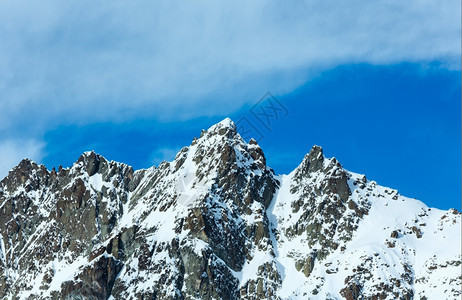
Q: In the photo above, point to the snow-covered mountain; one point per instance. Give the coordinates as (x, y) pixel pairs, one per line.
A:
(217, 223)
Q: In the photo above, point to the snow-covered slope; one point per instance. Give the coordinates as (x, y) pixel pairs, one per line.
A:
(217, 223)
(398, 249)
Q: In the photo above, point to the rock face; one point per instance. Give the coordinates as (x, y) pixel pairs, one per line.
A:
(217, 223)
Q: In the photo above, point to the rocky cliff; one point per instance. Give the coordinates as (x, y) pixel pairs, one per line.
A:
(217, 223)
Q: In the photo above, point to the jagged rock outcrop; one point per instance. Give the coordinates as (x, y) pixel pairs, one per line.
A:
(217, 223)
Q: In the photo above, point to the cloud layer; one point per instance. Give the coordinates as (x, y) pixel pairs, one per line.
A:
(96, 62)
(88, 62)
(13, 151)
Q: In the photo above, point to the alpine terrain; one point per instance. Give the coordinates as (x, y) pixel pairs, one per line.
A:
(218, 223)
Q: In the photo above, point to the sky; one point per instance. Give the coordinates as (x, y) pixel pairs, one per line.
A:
(376, 84)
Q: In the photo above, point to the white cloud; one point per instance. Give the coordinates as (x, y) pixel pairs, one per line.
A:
(13, 151)
(163, 154)
(87, 61)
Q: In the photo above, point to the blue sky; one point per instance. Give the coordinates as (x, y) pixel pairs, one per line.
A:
(377, 87)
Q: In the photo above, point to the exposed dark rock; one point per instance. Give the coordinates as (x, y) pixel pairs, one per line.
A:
(194, 227)
(417, 232)
(95, 281)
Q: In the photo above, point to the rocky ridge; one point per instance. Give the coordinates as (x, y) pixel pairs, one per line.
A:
(217, 223)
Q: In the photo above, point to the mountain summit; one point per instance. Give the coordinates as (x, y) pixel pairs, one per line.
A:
(217, 223)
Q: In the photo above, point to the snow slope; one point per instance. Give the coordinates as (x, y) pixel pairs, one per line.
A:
(217, 223)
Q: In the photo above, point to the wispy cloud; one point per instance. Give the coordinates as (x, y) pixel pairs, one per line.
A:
(163, 154)
(12, 151)
(86, 62)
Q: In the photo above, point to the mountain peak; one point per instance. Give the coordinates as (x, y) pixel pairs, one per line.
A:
(225, 125)
(219, 133)
(227, 122)
(313, 161)
(218, 223)
(91, 162)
